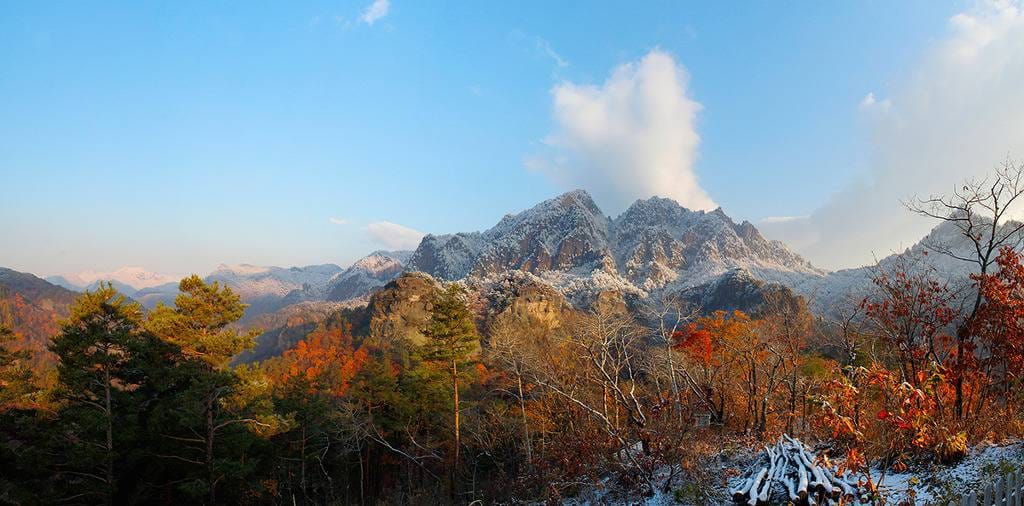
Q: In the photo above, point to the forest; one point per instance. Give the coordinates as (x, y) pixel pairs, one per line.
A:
(129, 406)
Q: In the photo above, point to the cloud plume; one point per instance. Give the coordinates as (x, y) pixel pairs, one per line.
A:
(632, 137)
(393, 235)
(955, 115)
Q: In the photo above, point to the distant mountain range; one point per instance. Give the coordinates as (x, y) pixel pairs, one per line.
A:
(128, 280)
(566, 244)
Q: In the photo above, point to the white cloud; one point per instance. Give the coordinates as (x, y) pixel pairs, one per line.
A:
(393, 235)
(338, 221)
(782, 219)
(377, 10)
(545, 48)
(632, 137)
(869, 102)
(958, 113)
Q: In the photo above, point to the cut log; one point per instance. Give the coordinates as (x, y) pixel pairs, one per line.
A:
(793, 465)
(755, 486)
(740, 494)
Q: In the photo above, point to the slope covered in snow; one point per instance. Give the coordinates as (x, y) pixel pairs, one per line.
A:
(252, 281)
(654, 245)
(126, 279)
(366, 275)
(840, 289)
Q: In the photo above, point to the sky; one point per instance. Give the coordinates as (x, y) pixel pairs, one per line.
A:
(177, 136)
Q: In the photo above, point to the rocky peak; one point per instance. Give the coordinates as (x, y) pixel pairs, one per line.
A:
(366, 275)
(570, 243)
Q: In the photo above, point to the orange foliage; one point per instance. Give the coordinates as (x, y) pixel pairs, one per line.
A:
(325, 361)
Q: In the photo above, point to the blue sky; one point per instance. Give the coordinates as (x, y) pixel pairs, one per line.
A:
(179, 135)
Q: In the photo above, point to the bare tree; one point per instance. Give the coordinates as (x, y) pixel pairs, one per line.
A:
(980, 210)
(667, 314)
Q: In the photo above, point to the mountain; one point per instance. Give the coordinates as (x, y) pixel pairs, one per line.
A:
(656, 244)
(32, 307)
(847, 287)
(150, 297)
(366, 275)
(267, 289)
(127, 280)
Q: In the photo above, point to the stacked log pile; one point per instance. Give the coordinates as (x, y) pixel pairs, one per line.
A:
(787, 472)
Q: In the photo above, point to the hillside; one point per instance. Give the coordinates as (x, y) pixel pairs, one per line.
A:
(32, 307)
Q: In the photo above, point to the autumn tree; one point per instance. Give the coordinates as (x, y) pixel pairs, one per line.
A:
(999, 324)
(980, 210)
(311, 382)
(450, 339)
(787, 324)
(912, 310)
(15, 374)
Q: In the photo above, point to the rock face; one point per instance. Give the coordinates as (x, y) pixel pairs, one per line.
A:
(401, 310)
(736, 290)
(569, 243)
(366, 275)
(563, 233)
(658, 242)
(521, 296)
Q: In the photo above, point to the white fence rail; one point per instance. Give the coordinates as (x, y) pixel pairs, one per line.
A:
(1006, 491)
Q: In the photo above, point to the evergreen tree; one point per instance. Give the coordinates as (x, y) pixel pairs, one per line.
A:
(214, 405)
(97, 350)
(450, 339)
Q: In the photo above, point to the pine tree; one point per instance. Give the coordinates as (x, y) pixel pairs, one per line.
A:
(97, 350)
(212, 400)
(450, 339)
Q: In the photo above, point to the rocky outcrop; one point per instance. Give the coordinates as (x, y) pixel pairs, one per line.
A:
(737, 290)
(401, 310)
(523, 297)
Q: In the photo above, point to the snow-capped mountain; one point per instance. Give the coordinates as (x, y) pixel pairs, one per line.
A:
(366, 275)
(254, 282)
(845, 288)
(126, 279)
(655, 244)
(267, 289)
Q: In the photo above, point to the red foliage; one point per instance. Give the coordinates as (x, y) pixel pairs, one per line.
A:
(695, 342)
(999, 322)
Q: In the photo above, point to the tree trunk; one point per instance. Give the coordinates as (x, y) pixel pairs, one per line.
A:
(455, 396)
(211, 471)
(526, 424)
(109, 460)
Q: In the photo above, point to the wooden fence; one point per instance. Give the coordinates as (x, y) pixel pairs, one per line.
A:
(1006, 491)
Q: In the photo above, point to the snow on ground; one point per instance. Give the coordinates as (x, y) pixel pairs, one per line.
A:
(940, 485)
(924, 485)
